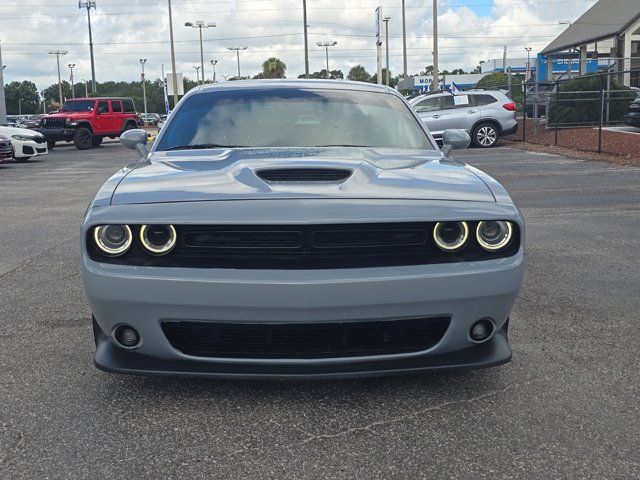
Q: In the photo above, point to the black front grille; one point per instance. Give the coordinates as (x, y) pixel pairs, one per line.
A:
(299, 247)
(280, 175)
(53, 122)
(305, 340)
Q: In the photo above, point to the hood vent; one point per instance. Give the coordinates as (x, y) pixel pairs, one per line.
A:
(292, 175)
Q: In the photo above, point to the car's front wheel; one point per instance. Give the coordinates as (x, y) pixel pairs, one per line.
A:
(82, 139)
(485, 135)
(51, 145)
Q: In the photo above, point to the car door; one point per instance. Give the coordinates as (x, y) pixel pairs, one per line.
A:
(459, 112)
(103, 118)
(429, 111)
(116, 115)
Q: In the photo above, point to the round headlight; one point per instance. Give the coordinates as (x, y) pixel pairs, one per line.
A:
(451, 236)
(494, 235)
(113, 239)
(158, 239)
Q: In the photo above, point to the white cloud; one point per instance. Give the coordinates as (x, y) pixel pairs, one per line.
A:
(125, 31)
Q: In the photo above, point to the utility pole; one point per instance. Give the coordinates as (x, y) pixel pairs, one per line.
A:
(237, 49)
(89, 4)
(528, 74)
(378, 45)
(199, 24)
(144, 86)
(504, 60)
(326, 46)
(213, 64)
(435, 85)
(173, 59)
(386, 41)
(86, 88)
(404, 42)
(3, 105)
(57, 53)
(306, 40)
(73, 90)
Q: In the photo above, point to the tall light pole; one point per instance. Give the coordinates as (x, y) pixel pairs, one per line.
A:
(326, 46)
(306, 40)
(86, 88)
(528, 74)
(435, 46)
(3, 105)
(404, 42)
(213, 64)
(57, 53)
(197, 68)
(89, 4)
(144, 86)
(386, 41)
(237, 49)
(199, 24)
(173, 59)
(73, 90)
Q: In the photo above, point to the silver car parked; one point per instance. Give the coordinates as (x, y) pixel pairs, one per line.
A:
(486, 115)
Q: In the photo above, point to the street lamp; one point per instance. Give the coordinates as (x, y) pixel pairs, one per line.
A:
(197, 67)
(326, 46)
(86, 87)
(213, 64)
(199, 24)
(386, 40)
(73, 90)
(237, 49)
(57, 53)
(144, 86)
(89, 4)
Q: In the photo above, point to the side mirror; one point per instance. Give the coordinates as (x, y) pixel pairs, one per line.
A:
(135, 140)
(456, 139)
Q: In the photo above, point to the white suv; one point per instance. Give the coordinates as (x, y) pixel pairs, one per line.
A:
(484, 114)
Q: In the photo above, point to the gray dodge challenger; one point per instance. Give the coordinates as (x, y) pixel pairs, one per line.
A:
(299, 229)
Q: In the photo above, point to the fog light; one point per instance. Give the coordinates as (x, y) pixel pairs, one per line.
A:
(481, 330)
(127, 336)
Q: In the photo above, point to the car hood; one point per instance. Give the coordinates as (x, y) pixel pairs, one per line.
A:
(8, 131)
(230, 174)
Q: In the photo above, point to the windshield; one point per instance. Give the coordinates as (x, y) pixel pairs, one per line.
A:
(78, 106)
(293, 117)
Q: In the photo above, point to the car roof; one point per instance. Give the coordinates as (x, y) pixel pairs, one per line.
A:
(294, 83)
(97, 98)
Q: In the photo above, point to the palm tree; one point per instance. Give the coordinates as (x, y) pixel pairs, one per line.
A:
(273, 68)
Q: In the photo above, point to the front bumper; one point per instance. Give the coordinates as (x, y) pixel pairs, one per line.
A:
(144, 297)
(58, 134)
(28, 148)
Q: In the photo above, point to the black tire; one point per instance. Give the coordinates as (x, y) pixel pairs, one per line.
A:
(485, 135)
(96, 141)
(82, 139)
(51, 144)
(129, 126)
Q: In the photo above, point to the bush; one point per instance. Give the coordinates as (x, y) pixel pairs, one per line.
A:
(578, 102)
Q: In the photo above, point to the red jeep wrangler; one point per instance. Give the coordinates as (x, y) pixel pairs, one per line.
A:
(86, 121)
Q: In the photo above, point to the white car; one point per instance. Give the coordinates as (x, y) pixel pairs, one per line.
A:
(26, 143)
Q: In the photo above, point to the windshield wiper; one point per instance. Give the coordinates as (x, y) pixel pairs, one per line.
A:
(199, 146)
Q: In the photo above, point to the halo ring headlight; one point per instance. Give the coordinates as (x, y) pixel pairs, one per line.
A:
(446, 237)
(112, 240)
(494, 235)
(158, 239)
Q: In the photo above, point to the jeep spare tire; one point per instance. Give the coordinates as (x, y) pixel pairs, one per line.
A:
(82, 139)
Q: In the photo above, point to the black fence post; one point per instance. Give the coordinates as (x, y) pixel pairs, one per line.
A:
(524, 116)
(601, 114)
(556, 111)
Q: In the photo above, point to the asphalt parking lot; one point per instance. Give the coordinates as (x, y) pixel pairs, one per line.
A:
(568, 406)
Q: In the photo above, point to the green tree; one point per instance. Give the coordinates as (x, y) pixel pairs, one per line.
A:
(51, 96)
(501, 81)
(22, 97)
(478, 69)
(359, 74)
(333, 74)
(273, 68)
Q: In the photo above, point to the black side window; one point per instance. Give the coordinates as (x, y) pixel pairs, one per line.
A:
(103, 107)
(128, 106)
(484, 100)
(116, 106)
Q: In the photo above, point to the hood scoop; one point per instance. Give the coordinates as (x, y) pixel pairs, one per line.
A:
(304, 175)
